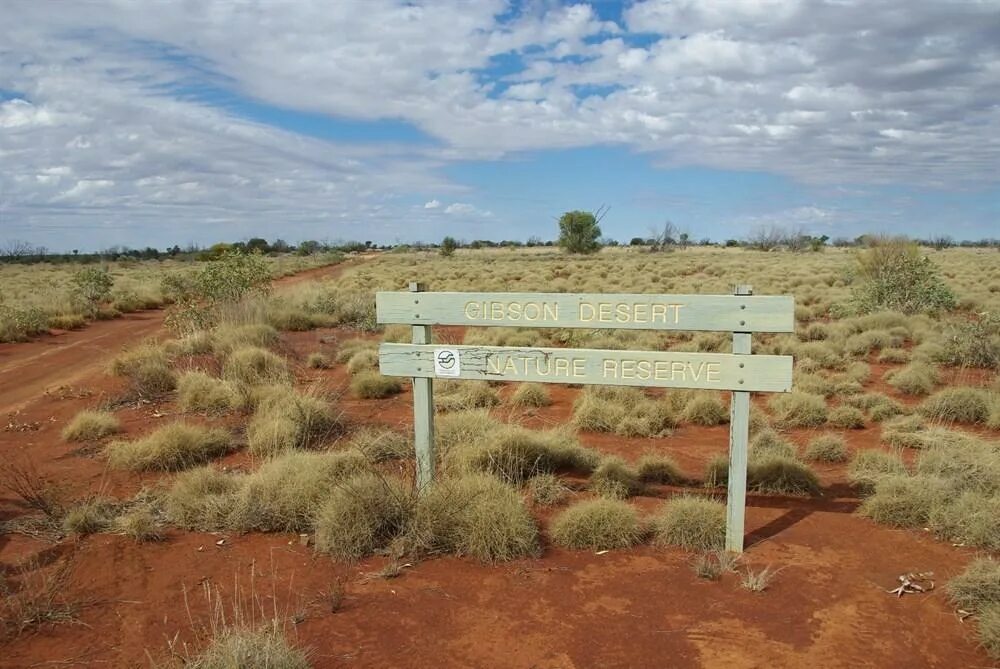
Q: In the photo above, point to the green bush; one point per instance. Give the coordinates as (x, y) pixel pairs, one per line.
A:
(599, 524)
(892, 274)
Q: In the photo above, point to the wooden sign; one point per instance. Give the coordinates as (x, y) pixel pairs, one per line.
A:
(740, 313)
(727, 313)
(713, 371)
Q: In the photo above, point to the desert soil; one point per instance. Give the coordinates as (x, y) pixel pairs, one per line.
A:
(827, 607)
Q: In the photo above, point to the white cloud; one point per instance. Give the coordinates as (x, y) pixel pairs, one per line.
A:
(432, 204)
(831, 91)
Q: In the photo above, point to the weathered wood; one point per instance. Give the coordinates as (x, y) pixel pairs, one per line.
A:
(724, 313)
(739, 436)
(423, 410)
(665, 369)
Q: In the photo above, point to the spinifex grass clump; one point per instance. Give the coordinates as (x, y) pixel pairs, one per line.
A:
(285, 420)
(475, 515)
(916, 378)
(660, 469)
(176, 446)
(847, 417)
(547, 489)
(361, 515)
(614, 478)
(977, 590)
(90, 426)
(247, 367)
(624, 411)
(827, 448)
(464, 395)
(380, 444)
(871, 464)
(598, 524)
(197, 391)
(531, 395)
(512, 452)
(692, 522)
(797, 409)
(147, 367)
(771, 472)
(957, 405)
(370, 385)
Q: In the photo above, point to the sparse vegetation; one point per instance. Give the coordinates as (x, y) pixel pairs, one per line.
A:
(176, 446)
(91, 426)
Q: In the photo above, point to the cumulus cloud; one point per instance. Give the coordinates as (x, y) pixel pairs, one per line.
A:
(824, 91)
(432, 204)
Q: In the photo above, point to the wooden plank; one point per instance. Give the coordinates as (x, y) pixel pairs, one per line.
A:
(423, 411)
(739, 436)
(723, 313)
(664, 369)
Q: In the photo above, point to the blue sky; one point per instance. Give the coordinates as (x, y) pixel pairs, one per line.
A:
(163, 123)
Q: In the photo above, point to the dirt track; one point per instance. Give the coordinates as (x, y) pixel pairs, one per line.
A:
(29, 369)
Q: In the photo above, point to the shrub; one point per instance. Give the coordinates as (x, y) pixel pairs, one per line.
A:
(598, 524)
(176, 446)
(698, 523)
(197, 391)
(705, 408)
(317, 360)
(957, 405)
(475, 515)
(579, 232)
(90, 426)
(916, 378)
(614, 478)
(797, 409)
(362, 514)
(659, 469)
(291, 420)
(827, 448)
(781, 475)
(893, 275)
(284, 494)
(382, 444)
(847, 417)
(547, 489)
(531, 395)
(201, 499)
(371, 385)
(871, 464)
(139, 524)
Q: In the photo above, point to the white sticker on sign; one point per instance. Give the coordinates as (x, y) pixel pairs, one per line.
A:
(446, 362)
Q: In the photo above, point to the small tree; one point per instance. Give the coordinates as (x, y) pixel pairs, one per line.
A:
(92, 286)
(892, 274)
(448, 246)
(579, 232)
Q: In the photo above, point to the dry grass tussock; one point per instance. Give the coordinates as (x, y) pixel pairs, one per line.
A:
(916, 378)
(658, 469)
(977, 590)
(147, 367)
(531, 395)
(797, 409)
(247, 367)
(769, 471)
(200, 392)
(464, 395)
(90, 426)
(598, 524)
(42, 597)
(380, 444)
(511, 452)
(173, 447)
(625, 411)
(286, 420)
(616, 479)
(958, 405)
(370, 385)
(697, 523)
(547, 490)
(826, 448)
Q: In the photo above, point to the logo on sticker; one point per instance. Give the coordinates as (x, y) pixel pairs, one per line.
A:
(446, 362)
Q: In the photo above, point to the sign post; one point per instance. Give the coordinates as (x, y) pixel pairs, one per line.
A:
(741, 313)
